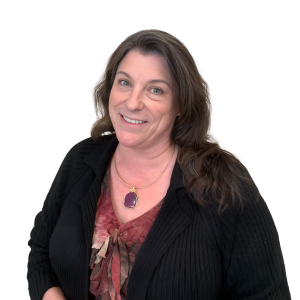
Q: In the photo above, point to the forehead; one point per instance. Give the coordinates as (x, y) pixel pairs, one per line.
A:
(146, 65)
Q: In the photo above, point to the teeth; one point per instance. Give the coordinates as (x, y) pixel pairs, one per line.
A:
(133, 121)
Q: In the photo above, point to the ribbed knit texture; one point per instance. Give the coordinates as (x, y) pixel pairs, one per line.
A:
(191, 252)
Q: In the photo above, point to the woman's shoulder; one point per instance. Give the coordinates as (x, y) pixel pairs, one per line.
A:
(83, 148)
(87, 145)
(246, 221)
(75, 159)
(250, 204)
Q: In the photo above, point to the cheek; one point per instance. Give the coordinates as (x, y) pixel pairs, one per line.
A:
(167, 118)
(115, 98)
(112, 102)
(172, 117)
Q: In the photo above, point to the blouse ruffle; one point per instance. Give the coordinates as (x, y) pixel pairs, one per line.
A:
(115, 247)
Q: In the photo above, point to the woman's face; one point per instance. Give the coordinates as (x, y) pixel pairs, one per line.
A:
(143, 101)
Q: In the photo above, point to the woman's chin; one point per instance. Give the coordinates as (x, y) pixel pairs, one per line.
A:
(130, 140)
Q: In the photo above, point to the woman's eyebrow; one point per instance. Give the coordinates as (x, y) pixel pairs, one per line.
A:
(151, 81)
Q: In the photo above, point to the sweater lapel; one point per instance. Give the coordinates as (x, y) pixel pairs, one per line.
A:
(98, 160)
(170, 222)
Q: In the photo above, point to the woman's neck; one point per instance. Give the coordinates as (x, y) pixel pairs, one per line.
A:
(145, 155)
(144, 164)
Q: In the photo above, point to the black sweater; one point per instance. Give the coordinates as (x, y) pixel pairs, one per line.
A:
(191, 252)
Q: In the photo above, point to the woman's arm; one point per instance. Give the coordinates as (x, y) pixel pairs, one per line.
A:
(253, 263)
(40, 275)
(54, 293)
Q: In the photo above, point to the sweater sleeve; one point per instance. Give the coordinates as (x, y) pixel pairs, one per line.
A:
(253, 263)
(40, 275)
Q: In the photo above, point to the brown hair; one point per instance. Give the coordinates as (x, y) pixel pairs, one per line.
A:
(207, 169)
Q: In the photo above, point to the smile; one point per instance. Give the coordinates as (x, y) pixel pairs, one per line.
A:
(133, 121)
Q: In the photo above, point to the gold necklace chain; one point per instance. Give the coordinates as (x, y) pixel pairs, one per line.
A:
(134, 187)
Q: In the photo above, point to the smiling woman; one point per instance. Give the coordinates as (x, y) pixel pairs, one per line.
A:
(143, 94)
(155, 209)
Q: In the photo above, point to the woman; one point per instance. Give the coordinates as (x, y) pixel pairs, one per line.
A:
(154, 210)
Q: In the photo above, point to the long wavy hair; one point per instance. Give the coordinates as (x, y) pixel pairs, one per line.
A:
(209, 171)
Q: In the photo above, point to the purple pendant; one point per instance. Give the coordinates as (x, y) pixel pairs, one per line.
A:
(131, 200)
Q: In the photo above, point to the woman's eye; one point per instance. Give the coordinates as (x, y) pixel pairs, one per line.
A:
(124, 82)
(156, 91)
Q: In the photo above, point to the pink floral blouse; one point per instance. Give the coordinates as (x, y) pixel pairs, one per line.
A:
(115, 247)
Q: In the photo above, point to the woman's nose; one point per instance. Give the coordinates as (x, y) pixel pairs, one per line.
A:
(135, 100)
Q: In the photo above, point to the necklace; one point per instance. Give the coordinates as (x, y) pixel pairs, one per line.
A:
(131, 199)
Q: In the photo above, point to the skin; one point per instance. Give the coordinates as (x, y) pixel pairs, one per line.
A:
(144, 149)
(54, 293)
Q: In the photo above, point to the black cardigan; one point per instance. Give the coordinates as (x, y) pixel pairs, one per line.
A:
(191, 252)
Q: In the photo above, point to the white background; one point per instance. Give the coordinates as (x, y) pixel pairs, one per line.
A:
(54, 52)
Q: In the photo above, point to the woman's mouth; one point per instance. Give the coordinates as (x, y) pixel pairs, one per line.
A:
(132, 121)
